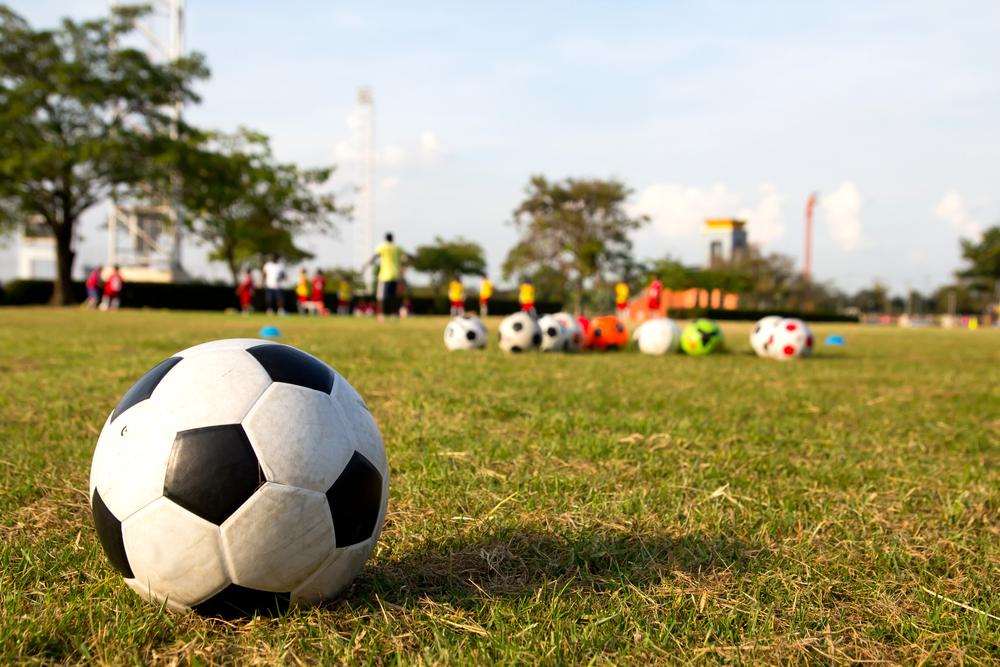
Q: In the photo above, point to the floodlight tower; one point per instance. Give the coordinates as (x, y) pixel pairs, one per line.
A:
(364, 231)
(151, 248)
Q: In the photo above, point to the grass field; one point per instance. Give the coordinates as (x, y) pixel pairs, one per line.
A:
(557, 509)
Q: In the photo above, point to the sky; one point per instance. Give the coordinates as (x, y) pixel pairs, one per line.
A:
(890, 111)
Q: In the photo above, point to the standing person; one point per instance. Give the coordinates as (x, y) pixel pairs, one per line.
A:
(485, 293)
(302, 291)
(621, 298)
(318, 288)
(112, 290)
(94, 286)
(389, 257)
(653, 294)
(526, 295)
(456, 294)
(274, 275)
(343, 297)
(245, 291)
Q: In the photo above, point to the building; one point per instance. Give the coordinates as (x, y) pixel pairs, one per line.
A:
(727, 240)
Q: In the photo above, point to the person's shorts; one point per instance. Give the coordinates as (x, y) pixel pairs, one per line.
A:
(93, 293)
(527, 307)
(654, 304)
(457, 304)
(386, 290)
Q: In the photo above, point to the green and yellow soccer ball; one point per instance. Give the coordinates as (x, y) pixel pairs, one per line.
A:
(701, 337)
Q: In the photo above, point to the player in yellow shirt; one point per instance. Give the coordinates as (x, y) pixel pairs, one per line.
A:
(621, 298)
(390, 258)
(343, 297)
(302, 291)
(485, 293)
(456, 294)
(526, 295)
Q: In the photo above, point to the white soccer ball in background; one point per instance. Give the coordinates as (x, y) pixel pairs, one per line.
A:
(466, 332)
(237, 477)
(790, 339)
(761, 333)
(574, 338)
(658, 336)
(519, 333)
(553, 334)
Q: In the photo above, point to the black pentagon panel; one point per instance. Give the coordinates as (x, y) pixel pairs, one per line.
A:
(212, 471)
(355, 499)
(286, 364)
(470, 335)
(517, 326)
(109, 531)
(238, 602)
(143, 389)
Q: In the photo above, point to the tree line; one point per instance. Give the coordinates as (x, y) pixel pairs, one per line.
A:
(82, 120)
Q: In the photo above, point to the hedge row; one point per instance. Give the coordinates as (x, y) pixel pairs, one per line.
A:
(202, 296)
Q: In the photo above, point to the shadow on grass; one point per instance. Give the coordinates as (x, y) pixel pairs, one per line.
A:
(519, 563)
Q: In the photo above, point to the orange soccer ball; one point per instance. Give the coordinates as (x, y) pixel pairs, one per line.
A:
(607, 333)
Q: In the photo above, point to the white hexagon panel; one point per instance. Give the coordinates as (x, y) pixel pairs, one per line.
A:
(174, 554)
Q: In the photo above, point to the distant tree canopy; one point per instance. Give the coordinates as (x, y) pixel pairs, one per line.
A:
(246, 205)
(80, 121)
(579, 227)
(983, 258)
(443, 260)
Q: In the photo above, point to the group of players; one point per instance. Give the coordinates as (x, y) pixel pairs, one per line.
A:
(104, 292)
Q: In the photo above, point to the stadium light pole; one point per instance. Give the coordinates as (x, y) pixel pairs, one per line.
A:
(810, 207)
(364, 237)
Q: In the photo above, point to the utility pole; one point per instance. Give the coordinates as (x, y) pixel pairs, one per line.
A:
(364, 231)
(810, 207)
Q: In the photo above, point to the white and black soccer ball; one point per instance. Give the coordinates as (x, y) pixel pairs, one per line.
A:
(553, 334)
(239, 476)
(658, 336)
(790, 339)
(466, 332)
(519, 332)
(761, 334)
(574, 338)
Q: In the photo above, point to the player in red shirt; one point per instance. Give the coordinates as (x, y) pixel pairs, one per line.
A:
(318, 287)
(245, 292)
(112, 290)
(653, 293)
(93, 285)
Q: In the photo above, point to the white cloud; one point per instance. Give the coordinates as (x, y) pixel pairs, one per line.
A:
(679, 211)
(388, 183)
(392, 155)
(953, 210)
(842, 214)
(429, 144)
(766, 221)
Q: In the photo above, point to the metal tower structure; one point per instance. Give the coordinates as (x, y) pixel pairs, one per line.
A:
(364, 229)
(145, 237)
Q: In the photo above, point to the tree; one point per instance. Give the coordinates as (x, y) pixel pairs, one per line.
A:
(444, 259)
(80, 121)
(578, 227)
(246, 205)
(984, 260)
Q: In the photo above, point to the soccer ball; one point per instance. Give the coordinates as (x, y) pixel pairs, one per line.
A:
(658, 336)
(701, 337)
(519, 332)
(761, 333)
(553, 334)
(239, 476)
(466, 332)
(790, 339)
(575, 337)
(607, 333)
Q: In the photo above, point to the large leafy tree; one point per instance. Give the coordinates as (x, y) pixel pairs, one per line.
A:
(983, 258)
(443, 260)
(245, 204)
(577, 226)
(80, 121)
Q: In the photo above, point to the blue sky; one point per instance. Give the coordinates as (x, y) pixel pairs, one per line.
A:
(891, 111)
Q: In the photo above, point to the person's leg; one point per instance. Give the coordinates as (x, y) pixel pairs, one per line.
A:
(380, 301)
(281, 301)
(390, 304)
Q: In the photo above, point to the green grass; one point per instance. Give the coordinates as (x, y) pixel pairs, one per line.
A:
(602, 508)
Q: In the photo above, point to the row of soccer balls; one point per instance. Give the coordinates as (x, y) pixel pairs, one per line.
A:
(772, 337)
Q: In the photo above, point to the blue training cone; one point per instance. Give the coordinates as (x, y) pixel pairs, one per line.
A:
(835, 340)
(269, 332)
